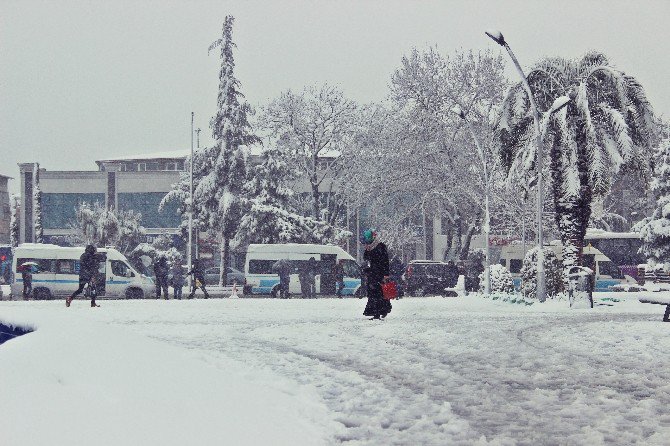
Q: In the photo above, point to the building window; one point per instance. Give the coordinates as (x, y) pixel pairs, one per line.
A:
(170, 166)
(180, 165)
(142, 167)
(122, 167)
(152, 166)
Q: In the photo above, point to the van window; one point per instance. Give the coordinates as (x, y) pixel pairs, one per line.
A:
(43, 265)
(260, 266)
(351, 268)
(120, 269)
(65, 266)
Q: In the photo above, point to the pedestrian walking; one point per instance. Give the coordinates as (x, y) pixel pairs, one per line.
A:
(311, 277)
(282, 268)
(451, 274)
(161, 270)
(377, 271)
(27, 279)
(338, 274)
(397, 269)
(197, 279)
(177, 278)
(88, 268)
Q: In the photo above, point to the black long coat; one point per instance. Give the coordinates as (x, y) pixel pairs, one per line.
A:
(378, 268)
(88, 265)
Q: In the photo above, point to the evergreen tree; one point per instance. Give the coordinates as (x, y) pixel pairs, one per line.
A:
(655, 233)
(14, 221)
(220, 189)
(37, 206)
(267, 218)
(553, 271)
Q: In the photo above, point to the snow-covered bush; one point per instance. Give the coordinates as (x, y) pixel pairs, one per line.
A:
(553, 269)
(501, 280)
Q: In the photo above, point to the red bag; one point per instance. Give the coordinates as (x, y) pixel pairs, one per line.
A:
(389, 290)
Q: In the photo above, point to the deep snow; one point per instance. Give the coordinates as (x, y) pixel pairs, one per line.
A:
(260, 371)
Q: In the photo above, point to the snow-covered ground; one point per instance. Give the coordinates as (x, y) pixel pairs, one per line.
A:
(306, 372)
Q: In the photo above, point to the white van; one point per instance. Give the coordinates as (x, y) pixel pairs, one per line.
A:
(261, 257)
(57, 272)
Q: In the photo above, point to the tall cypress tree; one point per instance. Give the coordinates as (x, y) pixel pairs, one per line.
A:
(37, 206)
(219, 192)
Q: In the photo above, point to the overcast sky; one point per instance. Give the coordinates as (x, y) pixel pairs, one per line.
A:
(86, 80)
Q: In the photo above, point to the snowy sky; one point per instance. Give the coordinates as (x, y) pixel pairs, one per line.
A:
(87, 80)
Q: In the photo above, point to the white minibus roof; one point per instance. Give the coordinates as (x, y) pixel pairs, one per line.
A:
(298, 248)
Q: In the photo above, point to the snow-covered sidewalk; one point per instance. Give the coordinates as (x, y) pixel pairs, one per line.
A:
(437, 371)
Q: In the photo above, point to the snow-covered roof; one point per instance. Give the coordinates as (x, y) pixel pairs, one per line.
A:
(172, 154)
(594, 234)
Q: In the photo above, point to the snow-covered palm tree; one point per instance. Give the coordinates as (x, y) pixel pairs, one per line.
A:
(607, 124)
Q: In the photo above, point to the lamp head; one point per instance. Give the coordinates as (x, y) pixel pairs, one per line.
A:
(496, 36)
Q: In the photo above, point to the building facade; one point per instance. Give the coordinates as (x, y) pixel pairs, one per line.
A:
(5, 210)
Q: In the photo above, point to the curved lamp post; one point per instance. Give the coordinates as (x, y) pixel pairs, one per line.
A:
(559, 103)
(541, 292)
(487, 217)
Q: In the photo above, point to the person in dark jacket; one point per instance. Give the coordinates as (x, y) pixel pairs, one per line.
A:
(397, 269)
(197, 280)
(311, 277)
(27, 278)
(283, 269)
(377, 271)
(88, 269)
(338, 275)
(451, 274)
(177, 278)
(161, 270)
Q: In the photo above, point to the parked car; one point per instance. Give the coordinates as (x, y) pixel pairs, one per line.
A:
(425, 277)
(234, 276)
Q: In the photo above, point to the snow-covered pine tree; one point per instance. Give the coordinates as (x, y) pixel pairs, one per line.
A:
(14, 221)
(655, 233)
(37, 205)
(553, 273)
(220, 189)
(267, 218)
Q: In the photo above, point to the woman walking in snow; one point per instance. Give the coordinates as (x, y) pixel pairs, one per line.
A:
(377, 271)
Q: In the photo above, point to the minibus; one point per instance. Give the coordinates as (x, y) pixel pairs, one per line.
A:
(261, 257)
(56, 272)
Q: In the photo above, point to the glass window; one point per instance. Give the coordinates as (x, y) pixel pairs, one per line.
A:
(59, 209)
(142, 167)
(43, 265)
(351, 269)
(152, 166)
(120, 269)
(261, 266)
(65, 266)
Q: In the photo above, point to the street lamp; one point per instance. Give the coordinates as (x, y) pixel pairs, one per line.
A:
(190, 209)
(541, 292)
(559, 103)
(487, 217)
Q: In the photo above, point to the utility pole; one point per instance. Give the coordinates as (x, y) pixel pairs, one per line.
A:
(190, 209)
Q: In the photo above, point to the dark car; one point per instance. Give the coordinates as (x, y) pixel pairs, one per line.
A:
(426, 277)
(234, 276)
